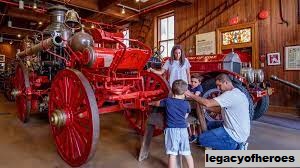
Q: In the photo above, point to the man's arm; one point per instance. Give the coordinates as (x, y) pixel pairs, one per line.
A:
(202, 101)
(216, 109)
(155, 103)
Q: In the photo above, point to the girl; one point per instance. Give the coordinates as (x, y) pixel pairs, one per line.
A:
(177, 66)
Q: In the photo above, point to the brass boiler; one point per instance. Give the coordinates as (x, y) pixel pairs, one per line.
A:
(57, 23)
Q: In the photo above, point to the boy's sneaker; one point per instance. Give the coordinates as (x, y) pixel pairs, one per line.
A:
(193, 138)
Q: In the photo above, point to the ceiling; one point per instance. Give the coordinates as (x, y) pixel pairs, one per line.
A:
(28, 21)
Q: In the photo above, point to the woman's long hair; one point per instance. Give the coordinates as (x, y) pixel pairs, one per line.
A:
(181, 59)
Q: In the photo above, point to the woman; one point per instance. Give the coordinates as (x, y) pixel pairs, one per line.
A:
(177, 66)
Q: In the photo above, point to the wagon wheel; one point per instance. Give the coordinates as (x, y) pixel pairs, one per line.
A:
(211, 116)
(22, 98)
(74, 117)
(137, 118)
(8, 87)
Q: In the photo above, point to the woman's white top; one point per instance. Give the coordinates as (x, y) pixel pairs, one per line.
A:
(176, 71)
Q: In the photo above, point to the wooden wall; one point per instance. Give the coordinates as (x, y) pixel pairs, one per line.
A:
(272, 38)
(7, 50)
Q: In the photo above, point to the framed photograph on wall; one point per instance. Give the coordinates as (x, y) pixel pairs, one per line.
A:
(273, 58)
(292, 57)
(2, 66)
(2, 58)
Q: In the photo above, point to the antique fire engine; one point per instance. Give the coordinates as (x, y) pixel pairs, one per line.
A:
(247, 79)
(71, 75)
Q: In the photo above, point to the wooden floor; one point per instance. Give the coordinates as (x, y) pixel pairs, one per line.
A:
(31, 145)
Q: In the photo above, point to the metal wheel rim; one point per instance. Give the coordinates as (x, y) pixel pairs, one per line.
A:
(22, 84)
(137, 118)
(76, 140)
(208, 95)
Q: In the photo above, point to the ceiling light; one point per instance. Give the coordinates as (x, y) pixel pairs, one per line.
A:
(21, 4)
(34, 6)
(9, 23)
(19, 35)
(10, 42)
(137, 0)
(123, 10)
(40, 23)
(93, 26)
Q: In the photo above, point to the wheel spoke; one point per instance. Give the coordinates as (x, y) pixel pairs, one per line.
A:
(78, 141)
(73, 144)
(58, 97)
(147, 82)
(153, 85)
(78, 100)
(67, 86)
(84, 122)
(61, 91)
(82, 131)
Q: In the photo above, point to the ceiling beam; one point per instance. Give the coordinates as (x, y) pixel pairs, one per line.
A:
(104, 5)
(28, 15)
(93, 5)
(12, 31)
(116, 13)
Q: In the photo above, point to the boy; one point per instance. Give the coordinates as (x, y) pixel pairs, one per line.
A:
(197, 89)
(176, 134)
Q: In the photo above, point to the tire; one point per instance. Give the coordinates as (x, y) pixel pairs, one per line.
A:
(261, 107)
(211, 116)
(210, 84)
(250, 100)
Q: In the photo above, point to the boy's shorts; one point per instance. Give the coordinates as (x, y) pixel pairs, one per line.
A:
(177, 141)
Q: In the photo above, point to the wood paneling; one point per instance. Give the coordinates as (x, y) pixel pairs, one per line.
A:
(7, 50)
(272, 36)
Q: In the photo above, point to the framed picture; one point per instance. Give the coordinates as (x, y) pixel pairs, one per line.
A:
(206, 43)
(273, 58)
(2, 66)
(2, 58)
(292, 57)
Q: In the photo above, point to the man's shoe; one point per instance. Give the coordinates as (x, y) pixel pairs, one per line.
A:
(243, 146)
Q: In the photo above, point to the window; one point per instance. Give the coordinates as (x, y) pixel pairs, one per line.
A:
(126, 36)
(166, 33)
(237, 36)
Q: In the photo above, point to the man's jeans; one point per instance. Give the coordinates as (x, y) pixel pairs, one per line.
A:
(216, 137)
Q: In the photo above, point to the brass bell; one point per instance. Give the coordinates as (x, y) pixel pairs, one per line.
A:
(72, 19)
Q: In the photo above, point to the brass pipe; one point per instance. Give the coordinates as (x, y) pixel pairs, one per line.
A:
(43, 45)
(275, 78)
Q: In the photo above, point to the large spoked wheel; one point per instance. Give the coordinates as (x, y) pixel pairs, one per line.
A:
(74, 117)
(211, 116)
(138, 118)
(20, 92)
